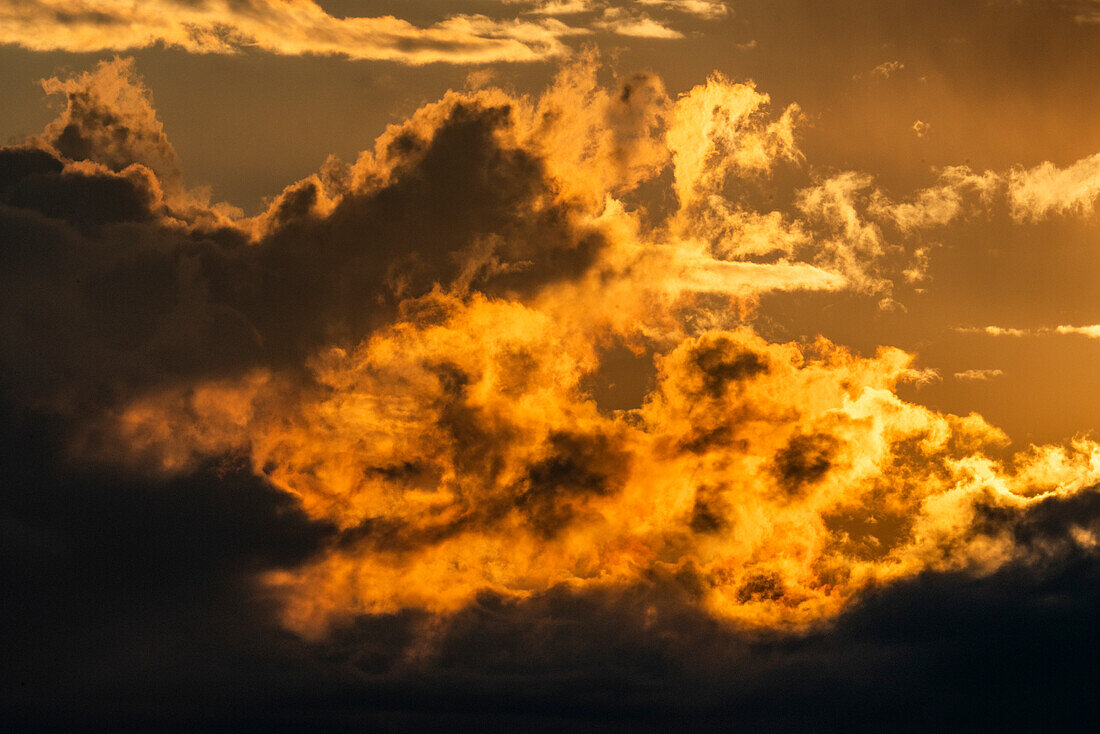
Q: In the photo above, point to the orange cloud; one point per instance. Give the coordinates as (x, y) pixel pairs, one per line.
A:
(1038, 192)
(300, 27)
(291, 27)
(979, 375)
(406, 345)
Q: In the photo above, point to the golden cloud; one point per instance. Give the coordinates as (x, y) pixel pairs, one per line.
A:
(406, 345)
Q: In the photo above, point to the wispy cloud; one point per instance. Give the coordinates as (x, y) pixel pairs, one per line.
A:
(978, 375)
(1035, 193)
(298, 27)
(699, 8)
(625, 23)
(1091, 331)
(291, 27)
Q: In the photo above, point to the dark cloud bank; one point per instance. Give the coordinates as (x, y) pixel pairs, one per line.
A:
(132, 602)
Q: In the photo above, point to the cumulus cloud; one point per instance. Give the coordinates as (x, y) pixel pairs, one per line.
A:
(384, 382)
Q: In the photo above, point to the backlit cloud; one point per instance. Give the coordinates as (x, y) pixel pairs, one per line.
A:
(1091, 331)
(1035, 193)
(298, 27)
(379, 402)
(978, 375)
(401, 344)
(280, 26)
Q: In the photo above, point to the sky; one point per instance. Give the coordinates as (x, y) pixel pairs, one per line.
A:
(585, 365)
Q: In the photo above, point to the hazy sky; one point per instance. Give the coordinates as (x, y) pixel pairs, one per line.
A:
(549, 362)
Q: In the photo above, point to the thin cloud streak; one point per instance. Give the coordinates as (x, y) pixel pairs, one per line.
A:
(978, 375)
(1091, 331)
(289, 27)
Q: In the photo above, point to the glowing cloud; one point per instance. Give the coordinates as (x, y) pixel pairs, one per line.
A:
(405, 345)
(292, 27)
(978, 375)
(1038, 192)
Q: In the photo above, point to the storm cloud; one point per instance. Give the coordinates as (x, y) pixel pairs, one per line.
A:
(343, 463)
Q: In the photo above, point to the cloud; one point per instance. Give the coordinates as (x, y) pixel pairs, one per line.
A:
(978, 375)
(708, 9)
(1085, 11)
(291, 27)
(992, 330)
(883, 71)
(921, 128)
(1036, 193)
(1091, 331)
(563, 7)
(958, 192)
(624, 23)
(304, 27)
(133, 598)
(347, 452)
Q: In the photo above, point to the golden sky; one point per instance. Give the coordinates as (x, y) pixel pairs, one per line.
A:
(732, 315)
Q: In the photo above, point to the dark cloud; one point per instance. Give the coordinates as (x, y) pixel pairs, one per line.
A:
(130, 598)
(34, 180)
(720, 362)
(327, 279)
(107, 294)
(134, 599)
(805, 460)
(710, 511)
(915, 656)
(576, 466)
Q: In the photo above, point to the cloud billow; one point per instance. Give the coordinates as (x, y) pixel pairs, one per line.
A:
(336, 458)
